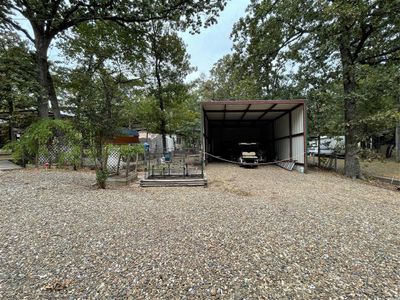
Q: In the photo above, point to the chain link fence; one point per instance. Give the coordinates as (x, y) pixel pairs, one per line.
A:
(179, 163)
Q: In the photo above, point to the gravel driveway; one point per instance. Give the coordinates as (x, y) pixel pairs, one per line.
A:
(252, 234)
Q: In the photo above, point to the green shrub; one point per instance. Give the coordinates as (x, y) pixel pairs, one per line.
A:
(71, 157)
(129, 151)
(101, 177)
(39, 136)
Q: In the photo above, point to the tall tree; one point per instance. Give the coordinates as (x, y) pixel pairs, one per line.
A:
(102, 75)
(48, 19)
(18, 86)
(343, 33)
(233, 81)
(98, 83)
(167, 66)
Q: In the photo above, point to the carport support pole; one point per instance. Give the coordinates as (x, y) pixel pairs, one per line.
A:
(202, 165)
(290, 137)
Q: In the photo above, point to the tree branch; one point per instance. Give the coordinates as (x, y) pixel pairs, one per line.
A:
(54, 9)
(380, 60)
(366, 32)
(65, 24)
(381, 57)
(19, 28)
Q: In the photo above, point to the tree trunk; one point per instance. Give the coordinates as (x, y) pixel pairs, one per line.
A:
(352, 163)
(11, 120)
(128, 162)
(397, 142)
(397, 134)
(53, 97)
(45, 80)
(164, 137)
(163, 124)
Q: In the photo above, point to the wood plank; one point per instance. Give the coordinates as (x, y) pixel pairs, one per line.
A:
(173, 182)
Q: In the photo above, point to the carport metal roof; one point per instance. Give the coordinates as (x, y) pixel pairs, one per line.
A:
(248, 110)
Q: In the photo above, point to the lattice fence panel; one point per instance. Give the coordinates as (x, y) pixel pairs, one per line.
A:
(112, 162)
(52, 153)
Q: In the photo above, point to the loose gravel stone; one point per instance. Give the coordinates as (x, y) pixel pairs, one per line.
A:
(263, 233)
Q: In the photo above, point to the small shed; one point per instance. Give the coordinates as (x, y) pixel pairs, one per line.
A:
(277, 126)
(125, 136)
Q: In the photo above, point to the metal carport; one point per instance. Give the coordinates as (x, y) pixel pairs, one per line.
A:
(279, 126)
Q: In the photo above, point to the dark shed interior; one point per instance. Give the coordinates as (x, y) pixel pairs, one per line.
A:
(226, 136)
(228, 123)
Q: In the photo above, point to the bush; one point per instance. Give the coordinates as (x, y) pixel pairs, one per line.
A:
(129, 151)
(40, 136)
(71, 157)
(101, 177)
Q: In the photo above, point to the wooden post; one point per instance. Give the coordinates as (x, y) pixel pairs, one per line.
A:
(118, 164)
(128, 161)
(37, 156)
(335, 162)
(81, 155)
(136, 162)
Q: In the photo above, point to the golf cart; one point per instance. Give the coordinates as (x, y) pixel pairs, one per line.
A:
(248, 155)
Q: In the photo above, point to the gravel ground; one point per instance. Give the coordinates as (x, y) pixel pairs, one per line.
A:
(252, 234)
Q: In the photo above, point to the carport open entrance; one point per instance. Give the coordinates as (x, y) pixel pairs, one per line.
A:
(277, 126)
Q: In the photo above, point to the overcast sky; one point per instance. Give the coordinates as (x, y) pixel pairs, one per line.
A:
(214, 42)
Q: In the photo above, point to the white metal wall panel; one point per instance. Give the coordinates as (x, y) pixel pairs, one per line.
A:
(298, 149)
(297, 120)
(282, 126)
(282, 149)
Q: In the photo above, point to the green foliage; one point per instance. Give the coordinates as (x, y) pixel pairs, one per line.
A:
(310, 48)
(56, 18)
(70, 157)
(40, 135)
(99, 86)
(18, 86)
(129, 151)
(229, 80)
(148, 113)
(101, 177)
(375, 123)
(18, 151)
(166, 106)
